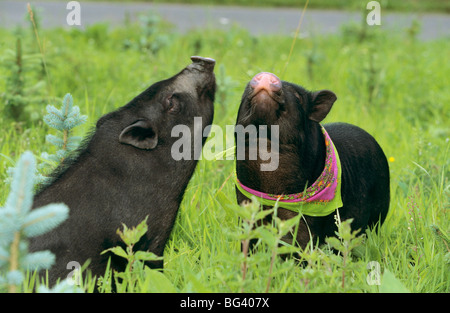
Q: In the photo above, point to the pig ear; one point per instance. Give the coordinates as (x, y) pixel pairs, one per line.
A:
(140, 134)
(322, 101)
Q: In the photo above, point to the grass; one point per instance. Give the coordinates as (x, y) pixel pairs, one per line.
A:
(391, 84)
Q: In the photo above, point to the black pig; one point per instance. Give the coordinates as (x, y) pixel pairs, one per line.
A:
(301, 158)
(124, 172)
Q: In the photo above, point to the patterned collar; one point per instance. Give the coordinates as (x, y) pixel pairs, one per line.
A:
(320, 199)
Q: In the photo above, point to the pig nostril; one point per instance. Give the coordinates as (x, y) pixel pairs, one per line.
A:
(275, 84)
(254, 82)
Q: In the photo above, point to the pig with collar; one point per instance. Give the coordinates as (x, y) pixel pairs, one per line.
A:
(124, 172)
(320, 170)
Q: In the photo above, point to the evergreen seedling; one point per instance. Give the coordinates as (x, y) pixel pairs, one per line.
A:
(63, 120)
(18, 222)
(20, 92)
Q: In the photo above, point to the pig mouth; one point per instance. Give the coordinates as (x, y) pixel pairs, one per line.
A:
(265, 97)
(267, 102)
(263, 109)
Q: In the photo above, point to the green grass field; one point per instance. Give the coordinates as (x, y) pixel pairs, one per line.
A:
(391, 84)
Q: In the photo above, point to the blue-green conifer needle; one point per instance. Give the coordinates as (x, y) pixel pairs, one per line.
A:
(53, 112)
(15, 277)
(38, 260)
(66, 286)
(54, 120)
(21, 194)
(58, 142)
(44, 219)
(10, 222)
(4, 256)
(67, 104)
(17, 218)
(73, 142)
(74, 112)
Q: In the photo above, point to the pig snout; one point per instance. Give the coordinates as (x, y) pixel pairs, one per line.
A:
(266, 95)
(265, 81)
(202, 63)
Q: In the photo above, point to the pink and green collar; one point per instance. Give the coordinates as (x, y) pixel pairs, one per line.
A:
(320, 199)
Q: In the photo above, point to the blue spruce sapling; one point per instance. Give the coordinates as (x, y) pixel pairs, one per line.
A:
(18, 222)
(63, 120)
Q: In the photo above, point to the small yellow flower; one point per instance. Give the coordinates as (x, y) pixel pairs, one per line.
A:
(391, 159)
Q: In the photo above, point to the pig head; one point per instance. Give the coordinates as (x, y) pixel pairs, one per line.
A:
(124, 172)
(297, 115)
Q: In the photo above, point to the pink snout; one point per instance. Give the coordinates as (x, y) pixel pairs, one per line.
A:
(265, 81)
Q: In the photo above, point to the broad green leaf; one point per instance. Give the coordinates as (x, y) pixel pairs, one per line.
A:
(335, 243)
(286, 225)
(146, 256)
(262, 214)
(117, 251)
(287, 249)
(130, 236)
(390, 284)
(239, 210)
(156, 282)
(269, 237)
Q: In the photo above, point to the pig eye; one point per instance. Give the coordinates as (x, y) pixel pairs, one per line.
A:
(173, 104)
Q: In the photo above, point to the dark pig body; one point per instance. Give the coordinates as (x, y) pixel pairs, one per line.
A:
(301, 156)
(124, 172)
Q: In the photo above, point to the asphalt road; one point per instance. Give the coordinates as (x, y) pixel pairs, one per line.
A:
(186, 17)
